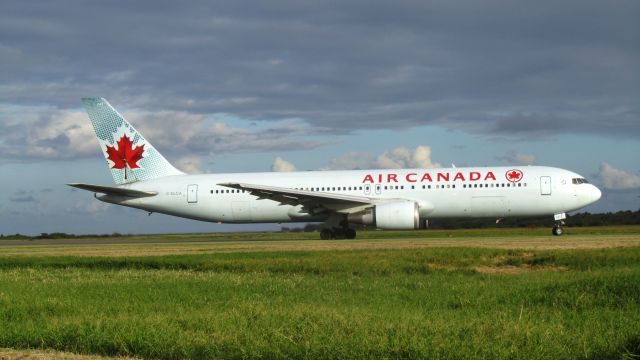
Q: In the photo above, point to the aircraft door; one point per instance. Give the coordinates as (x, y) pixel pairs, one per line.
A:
(192, 193)
(367, 189)
(545, 185)
(378, 189)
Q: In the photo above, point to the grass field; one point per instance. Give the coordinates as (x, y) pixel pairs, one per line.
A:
(452, 294)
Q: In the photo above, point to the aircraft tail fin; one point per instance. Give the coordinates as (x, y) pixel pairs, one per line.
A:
(130, 157)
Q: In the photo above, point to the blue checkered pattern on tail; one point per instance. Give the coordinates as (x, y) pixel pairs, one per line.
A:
(110, 126)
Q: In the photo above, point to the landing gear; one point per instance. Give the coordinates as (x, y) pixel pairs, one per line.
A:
(337, 227)
(337, 233)
(557, 230)
(326, 234)
(350, 233)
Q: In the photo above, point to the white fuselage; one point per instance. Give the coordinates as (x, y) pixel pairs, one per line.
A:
(450, 192)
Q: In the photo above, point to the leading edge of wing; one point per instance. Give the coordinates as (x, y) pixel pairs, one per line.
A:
(295, 197)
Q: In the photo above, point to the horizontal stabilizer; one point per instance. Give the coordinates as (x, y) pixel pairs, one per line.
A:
(117, 191)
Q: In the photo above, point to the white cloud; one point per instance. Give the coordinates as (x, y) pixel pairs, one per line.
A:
(616, 179)
(402, 157)
(398, 158)
(47, 133)
(513, 157)
(351, 161)
(189, 164)
(282, 165)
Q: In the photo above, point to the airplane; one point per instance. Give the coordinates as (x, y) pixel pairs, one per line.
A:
(383, 198)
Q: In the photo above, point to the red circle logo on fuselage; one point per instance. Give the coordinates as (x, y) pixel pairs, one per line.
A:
(514, 175)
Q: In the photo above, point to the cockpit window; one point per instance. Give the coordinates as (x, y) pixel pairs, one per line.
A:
(579, 181)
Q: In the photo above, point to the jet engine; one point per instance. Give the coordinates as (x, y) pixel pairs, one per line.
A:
(399, 215)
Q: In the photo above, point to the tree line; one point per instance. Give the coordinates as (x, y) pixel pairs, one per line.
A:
(576, 220)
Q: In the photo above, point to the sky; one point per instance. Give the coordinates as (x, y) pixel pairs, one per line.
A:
(242, 86)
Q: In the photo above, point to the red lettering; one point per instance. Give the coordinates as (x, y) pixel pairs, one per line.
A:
(392, 177)
(443, 176)
(459, 176)
(368, 178)
(379, 178)
(410, 177)
(490, 176)
(474, 176)
(427, 177)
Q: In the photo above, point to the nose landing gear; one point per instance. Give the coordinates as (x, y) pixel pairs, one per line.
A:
(557, 228)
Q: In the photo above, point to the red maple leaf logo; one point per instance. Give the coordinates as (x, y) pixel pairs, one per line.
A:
(514, 175)
(125, 155)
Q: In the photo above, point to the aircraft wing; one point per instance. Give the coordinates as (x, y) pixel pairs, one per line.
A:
(117, 191)
(309, 199)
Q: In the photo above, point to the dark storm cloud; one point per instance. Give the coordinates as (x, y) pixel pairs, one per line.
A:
(511, 68)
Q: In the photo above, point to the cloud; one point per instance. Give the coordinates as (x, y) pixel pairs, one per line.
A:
(513, 157)
(492, 68)
(47, 133)
(189, 164)
(22, 199)
(397, 158)
(90, 206)
(22, 196)
(281, 165)
(616, 179)
(402, 157)
(351, 161)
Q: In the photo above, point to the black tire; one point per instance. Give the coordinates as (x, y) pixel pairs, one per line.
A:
(350, 233)
(326, 234)
(557, 231)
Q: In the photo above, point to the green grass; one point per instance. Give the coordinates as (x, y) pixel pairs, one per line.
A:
(425, 303)
(386, 234)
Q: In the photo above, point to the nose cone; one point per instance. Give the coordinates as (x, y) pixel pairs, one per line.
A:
(594, 194)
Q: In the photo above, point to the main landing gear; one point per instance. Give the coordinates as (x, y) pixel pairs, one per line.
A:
(338, 233)
(557, 228)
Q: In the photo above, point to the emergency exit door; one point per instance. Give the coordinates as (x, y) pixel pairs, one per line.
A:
(192, 193)
(545, 185)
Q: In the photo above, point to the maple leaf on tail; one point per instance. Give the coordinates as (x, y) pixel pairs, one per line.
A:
(125, 155)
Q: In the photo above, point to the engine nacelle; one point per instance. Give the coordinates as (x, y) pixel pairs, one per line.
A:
(399, 215)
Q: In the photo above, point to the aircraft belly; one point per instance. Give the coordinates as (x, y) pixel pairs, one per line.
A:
(489, 206)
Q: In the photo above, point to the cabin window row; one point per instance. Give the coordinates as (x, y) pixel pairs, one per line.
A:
(228, 191)
(385, 187)
(494, 185)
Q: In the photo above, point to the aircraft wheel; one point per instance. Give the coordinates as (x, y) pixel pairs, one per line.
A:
(326, 234)
(350, 233)
(339, 234)
(557, 231)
